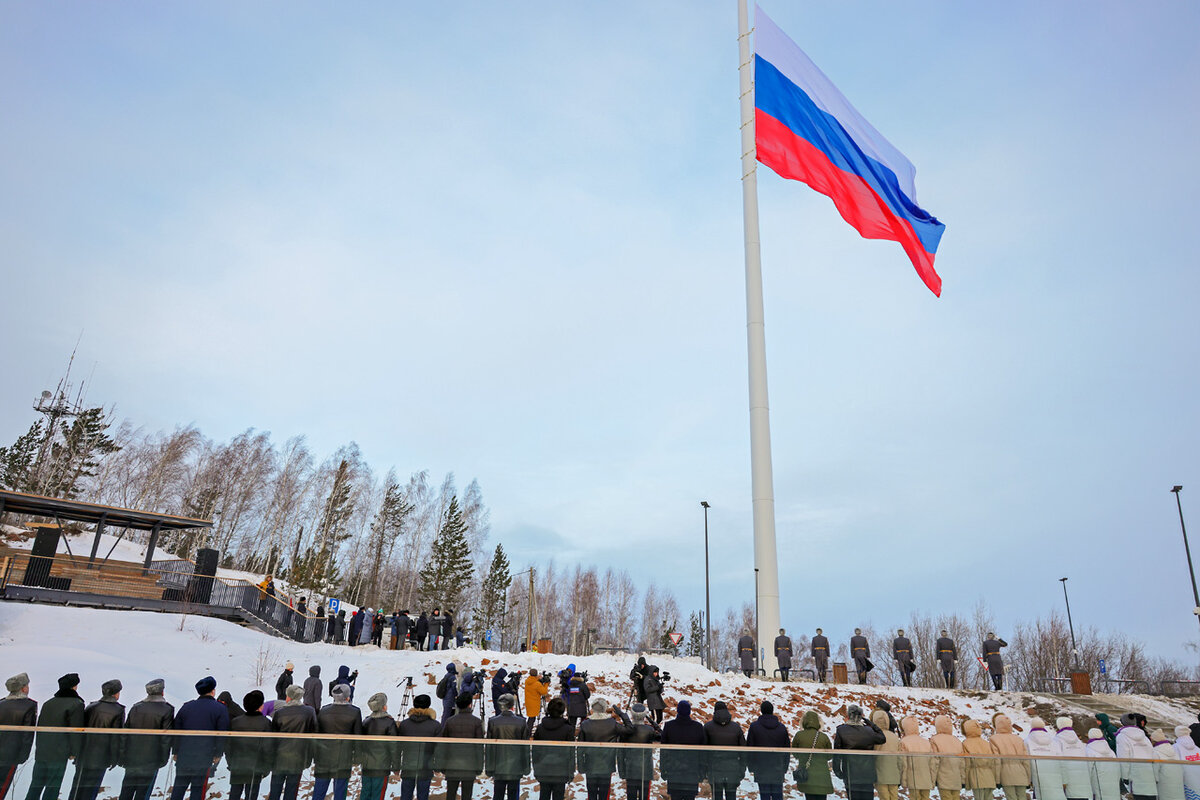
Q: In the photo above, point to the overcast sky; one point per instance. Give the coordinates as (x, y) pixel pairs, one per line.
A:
(505, 239)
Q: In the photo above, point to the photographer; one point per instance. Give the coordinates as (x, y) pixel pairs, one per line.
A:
(638, 676)
(537, 687)
(653, 687)
(502, 684)
(578, 694)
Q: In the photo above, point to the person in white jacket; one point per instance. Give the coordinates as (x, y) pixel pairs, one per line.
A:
(1047, 773)
(1186, 749)
(1169, 776)
(1076, 775)
(1105, 772)
(1132, 743)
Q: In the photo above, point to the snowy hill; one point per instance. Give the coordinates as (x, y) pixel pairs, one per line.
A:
(48, 641)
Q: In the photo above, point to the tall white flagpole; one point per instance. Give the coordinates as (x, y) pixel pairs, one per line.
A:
(761, 480)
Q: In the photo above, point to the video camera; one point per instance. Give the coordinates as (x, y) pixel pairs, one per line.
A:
(582, 675)
(664, 677)
(544, 678)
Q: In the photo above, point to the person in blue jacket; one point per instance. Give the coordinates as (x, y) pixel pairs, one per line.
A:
(196, 756)
(448, 691)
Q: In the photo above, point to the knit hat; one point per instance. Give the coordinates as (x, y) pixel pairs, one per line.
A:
(295, 692)
(1064, 722)
(684, 709)
(1096, 733)
(1036, 722)
(421, 701)
(289, 666)
(68, 681)
(1182, 730)
(1157, 735)
(765, 708)
(341, 693)
(720, 706)
(1127, 720)
(110, 688)
(16, 683)
(253, 700)
(156, 687)
(378, 700)
(206, 684)
(853, 712)
(463, 701)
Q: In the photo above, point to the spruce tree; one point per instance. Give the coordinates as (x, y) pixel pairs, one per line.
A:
(445, 578)
(494, 594)
(74, 453)
(16, 461)
(385, 529)
(695, 639)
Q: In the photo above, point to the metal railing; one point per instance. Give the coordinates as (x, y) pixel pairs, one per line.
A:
(1184, 688)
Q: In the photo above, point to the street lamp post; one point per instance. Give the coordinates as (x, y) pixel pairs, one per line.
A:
(757, 644)
(707, 609)
(1071, 625)
(1191, 572)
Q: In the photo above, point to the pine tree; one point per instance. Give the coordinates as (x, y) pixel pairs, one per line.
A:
(75, 452)
(695, 639)
(16, 461)
(317, 569)
(494, 594)
(448, 573)
(385, 529)
(664, 641)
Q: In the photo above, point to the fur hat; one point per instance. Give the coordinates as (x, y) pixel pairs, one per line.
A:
(206, 684)
(111, 688)
(16, 683)
(295, 692)
(421, 701)
(340, 693)
(378, 702)
(253, 700)
(599, 705)
(68, 681)
(505, 702)
(854, 712)
(156, 687)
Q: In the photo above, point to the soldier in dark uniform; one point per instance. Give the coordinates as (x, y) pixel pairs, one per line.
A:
(947, 656)
(820, 654)
(746, 653)
(860, 651)
(783, 652)
(991, 656)
(902, 652)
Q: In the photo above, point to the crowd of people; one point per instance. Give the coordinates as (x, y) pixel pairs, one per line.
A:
(901, 756)
(945, 653)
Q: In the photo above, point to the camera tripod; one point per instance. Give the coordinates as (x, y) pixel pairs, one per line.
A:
(406, 697)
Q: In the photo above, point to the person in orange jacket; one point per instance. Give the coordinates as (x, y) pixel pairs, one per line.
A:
(535, 692)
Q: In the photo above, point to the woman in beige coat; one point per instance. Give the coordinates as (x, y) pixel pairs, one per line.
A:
(1014, 772)
(949, 775)
(916, 771)
(887, 768)
(981, 769)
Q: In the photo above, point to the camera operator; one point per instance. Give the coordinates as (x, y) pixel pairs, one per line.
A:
(638, 675)
(653, 685)
(537, 688)
(577, 698)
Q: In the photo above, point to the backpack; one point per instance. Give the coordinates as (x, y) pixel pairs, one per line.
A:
(442, 686)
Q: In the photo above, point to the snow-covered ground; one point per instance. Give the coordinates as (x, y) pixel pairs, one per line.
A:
(135, 646)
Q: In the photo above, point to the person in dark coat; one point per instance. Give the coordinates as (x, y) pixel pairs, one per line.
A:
(499, 688)
(249, 759)
(683, 770)
(578, 697)
(860, 651)
(746, 652)
(652, 687)
(435, 629)
(334, 758)
(226, 699)
(820, 654)
(857, 772)
(447, 690)
(991, 657)
(447, 630)
(397, 626)
(301, 618)
(507, 764)
(783, 653)
(768, 768)
(947, 656)
(99, 752)
(725, 769)
(460, 763)
(421, 631)
(285, 680)
(344, 678)
(313, 689)
(459, 636)
(64, 710)
(377, 630)
(604, 724)
(143, 756)
(471, 684)
(197, 756)
(16, 709)
(903, 654)
(416, 760)
(319, 623)
(356, 623)
(339, 627)
(636, 765)
(378, 760)
(638, 676)
(292, 755)
(554, 767)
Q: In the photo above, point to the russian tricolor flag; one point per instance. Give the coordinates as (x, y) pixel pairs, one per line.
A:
(806, 130)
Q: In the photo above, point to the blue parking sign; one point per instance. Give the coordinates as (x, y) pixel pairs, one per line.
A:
(487, 635)
(1103, 669)
(334, 606)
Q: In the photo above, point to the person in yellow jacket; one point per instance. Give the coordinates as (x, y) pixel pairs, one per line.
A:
(535, 693)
